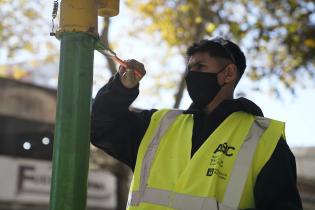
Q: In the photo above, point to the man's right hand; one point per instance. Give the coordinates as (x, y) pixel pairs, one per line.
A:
(131, 75)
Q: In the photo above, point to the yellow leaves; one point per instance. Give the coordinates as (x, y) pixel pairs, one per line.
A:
(184, 7)
(35, 64)
(198, 20)
(235, 27)
(18, 73)
(253, 75)
(175, 21)
(148, 8)
(2, 71)
(296, 38)
(50, 46)
(29, 47)
(130, 2)
(30, 13)
(168, 32)
(287, 79)
(168, 13)
(162, 21)
(15, 72)
(210, 27)
(292, 27)
(309, 43)
(51, 58)
(180, 30)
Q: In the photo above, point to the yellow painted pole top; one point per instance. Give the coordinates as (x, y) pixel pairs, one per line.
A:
(81, 15)
(108, 8)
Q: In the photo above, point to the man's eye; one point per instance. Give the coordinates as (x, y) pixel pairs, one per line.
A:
(199, 66)
(196, 67)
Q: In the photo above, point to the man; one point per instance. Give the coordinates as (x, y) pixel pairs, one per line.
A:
(220, 153)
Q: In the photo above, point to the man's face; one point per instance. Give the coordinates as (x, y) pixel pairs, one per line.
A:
(203, 79)
(202, 62)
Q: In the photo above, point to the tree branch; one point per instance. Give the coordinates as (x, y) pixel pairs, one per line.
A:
(179, 94)
(104, 40)
(199, 31)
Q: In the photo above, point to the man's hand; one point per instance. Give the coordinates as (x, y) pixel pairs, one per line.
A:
(131, 75)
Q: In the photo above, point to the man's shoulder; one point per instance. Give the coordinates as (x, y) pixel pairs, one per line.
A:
(249, 106)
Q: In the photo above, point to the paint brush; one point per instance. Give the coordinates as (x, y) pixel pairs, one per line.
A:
(100, 47)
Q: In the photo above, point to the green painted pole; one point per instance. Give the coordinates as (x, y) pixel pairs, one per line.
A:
(72, 129)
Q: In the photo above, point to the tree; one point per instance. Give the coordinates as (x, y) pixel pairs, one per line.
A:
(24, 37)
(278, 36)
(104, 39)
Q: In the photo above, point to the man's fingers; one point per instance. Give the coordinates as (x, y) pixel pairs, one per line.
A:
(138, 74)
(138, 67)
(122, 70)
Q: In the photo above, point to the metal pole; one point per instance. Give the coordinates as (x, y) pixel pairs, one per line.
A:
(72, 131)
(77, 32)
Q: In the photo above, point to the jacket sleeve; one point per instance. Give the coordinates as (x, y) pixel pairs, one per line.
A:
(114, 128)
(276, 185)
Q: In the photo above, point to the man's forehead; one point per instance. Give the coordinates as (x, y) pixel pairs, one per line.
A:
(199, 57)
(203, 58)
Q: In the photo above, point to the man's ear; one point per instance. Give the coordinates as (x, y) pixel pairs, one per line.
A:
(231, 74)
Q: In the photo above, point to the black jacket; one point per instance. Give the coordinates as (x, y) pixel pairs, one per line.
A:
(119, 131)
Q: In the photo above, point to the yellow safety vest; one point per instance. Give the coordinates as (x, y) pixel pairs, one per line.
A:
(220, 175)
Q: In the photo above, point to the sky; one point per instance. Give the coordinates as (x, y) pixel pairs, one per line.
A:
(297, 111)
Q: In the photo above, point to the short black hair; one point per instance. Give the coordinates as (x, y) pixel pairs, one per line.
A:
(222, 48)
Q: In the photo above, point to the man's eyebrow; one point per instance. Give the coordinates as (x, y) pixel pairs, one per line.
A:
(195, 63)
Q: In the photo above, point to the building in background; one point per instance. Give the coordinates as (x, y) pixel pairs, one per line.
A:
(305, 164)
(27, 116)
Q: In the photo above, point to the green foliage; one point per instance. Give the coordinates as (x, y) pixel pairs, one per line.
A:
(278, 36)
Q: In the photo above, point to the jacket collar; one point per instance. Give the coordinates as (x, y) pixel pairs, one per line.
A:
(228, 107)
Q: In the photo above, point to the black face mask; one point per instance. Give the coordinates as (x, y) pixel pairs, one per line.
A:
(202, 87)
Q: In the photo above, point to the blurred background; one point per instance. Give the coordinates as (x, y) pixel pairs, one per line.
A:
(278, 38)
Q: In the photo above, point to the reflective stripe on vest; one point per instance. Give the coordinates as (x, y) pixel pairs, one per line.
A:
(233, 193)
(179, 201)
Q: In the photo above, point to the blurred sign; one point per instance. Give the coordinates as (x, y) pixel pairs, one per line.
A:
(28, 181)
